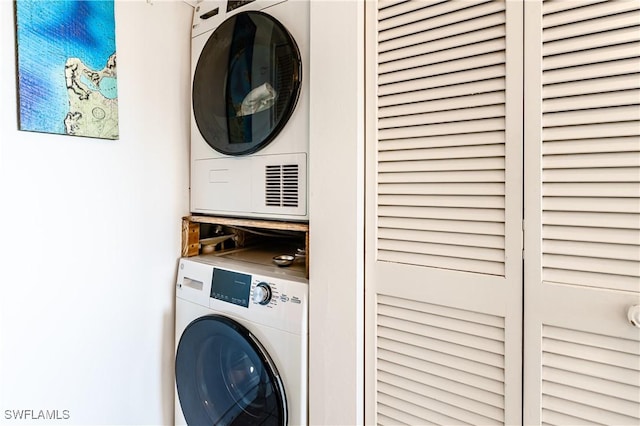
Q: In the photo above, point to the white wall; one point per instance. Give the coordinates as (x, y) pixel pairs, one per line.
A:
(90, 236)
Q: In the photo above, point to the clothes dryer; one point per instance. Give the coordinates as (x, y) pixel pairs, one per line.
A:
(250, 108)
(241, 344)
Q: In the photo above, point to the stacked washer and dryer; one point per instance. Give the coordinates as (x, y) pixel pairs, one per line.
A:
(241, 324)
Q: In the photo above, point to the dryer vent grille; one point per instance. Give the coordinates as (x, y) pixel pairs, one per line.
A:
(282, 185)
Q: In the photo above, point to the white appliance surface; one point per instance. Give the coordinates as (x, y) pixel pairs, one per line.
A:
(281, 327)
(240, 185)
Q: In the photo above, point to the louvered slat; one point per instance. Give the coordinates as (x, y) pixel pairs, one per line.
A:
(614, 83)
(597, 400)
(435, 117)
(591, 71)
(463, 46)
(455, 103)
(444, 339)
(438, 361)
(448, 250)
(419, 412)
(436, 153)
(405, 221)
(449, 188)
(590, 116)
(621, 174)
(455, 407)
(449, 94)
(589, 368)
(449, 213)
(593, 205)
(594, 101)
(390, 9)
(480, 61)
(607, 23)
(622, 391)
(598, 235)
(438, 129)
(590, 376)
(589, 160)
(584, 57)
(449, 176)
(592, 264)
(450, 80)
(553, 18)
(445, 383)
(473, 330)
(425, 32)
(591, 219)
(472, 201)
(592, 279)
(592, 189)
(421, 11)
(592, 249)
(561, 6)
(389, 416)
(550, 417)
(617, 36)
(484, 378)
(442, 311)
(591, 148)
(445, 164)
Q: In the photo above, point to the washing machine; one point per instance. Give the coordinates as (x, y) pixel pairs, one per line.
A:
(250, 108)
(241, 344)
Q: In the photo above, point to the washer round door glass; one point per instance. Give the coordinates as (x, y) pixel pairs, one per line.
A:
(246, 83)
(224, 376)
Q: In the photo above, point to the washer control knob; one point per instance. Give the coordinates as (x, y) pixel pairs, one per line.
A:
(262, 293)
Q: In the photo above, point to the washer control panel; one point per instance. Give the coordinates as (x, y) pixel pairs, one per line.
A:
(254, 291)
(244, 291)
(271, 293)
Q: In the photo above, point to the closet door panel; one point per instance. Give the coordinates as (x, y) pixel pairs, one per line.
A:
(582, 215)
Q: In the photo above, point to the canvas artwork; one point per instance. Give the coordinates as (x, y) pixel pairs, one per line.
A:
(67, 79)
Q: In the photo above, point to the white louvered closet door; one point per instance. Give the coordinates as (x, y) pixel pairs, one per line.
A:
(582, 210)
(444, 212)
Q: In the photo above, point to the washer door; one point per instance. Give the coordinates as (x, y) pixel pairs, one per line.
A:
(246, 83)
(225, 377)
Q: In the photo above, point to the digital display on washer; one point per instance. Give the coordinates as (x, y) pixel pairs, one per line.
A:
(231, 287)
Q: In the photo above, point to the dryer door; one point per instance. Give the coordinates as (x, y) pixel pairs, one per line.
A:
(246, 83)
(225, 377)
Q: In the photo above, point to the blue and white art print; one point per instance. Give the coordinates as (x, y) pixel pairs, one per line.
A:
(67, 80)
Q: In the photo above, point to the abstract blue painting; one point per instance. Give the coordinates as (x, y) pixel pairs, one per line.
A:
(67, 79)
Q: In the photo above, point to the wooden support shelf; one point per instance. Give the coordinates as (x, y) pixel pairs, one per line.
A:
(211, 234)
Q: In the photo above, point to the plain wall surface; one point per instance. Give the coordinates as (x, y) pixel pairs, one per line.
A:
(336, 215)
(90, 236)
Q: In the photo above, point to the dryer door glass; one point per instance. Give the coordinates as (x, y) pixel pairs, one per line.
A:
(246, 83)
(224, 376)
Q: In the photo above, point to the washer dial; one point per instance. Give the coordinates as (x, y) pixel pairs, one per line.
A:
(262, 293)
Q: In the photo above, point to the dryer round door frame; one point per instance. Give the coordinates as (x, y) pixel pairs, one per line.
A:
(246, 84)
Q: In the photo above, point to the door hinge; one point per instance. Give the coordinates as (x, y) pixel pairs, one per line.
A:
(522, 239)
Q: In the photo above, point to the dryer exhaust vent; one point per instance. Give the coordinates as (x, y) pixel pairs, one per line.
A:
(282, 185)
